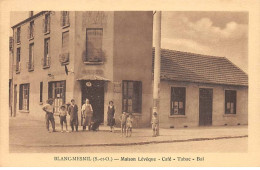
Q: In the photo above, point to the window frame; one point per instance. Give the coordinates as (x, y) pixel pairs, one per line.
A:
(47, 21)
(179, 99)
(230, 101)
(136, 99)
(65, 19)
(18, 35)
(46, 56)
(24, 88)
(31, 57)
(18, 62)
(99, 59)
(52, 92)
(31, 30)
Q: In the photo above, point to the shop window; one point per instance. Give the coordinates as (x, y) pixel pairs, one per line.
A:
(94, 45)
(230, 101)
(24, 97)
(57, 91)
(178, 95)
(132, 96)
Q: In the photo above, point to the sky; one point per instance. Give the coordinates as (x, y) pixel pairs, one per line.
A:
(223, 34)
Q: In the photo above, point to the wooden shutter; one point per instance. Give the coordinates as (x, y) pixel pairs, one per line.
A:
(21, 97)
(28, 32)
(43, 25)
(28, 97)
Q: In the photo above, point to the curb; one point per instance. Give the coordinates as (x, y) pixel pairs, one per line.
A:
(133, 143)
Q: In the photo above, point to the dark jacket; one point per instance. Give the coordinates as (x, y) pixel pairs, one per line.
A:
(73, 112)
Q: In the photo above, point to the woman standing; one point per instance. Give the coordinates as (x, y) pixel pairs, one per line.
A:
(111, 116)
(87, 113)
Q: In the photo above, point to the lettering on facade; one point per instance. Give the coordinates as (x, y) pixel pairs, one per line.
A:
(97, 72)
(117, 87)
(94, 18)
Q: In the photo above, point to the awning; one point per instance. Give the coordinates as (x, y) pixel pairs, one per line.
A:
(92, 77)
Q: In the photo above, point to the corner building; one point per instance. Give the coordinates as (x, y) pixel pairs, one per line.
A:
(68, 55)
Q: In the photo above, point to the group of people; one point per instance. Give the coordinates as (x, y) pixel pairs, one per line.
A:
(87, 118)
(71, 109)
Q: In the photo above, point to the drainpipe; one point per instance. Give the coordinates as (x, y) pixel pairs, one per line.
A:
(157, 63)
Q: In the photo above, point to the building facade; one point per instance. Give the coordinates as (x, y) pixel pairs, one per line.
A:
(78, 55)
(106, 56)
(201, 90)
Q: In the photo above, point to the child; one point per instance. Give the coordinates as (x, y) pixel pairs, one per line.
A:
(155, 123)
(123, 123)
(63, 115)
(129, 125)
(49, 109)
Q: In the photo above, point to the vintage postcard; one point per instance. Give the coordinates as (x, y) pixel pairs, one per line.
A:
(169, 83)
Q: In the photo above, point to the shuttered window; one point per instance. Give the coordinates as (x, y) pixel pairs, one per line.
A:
(94, 45)
(18, 35)
(41, 90)
(46, 23)
(230, 101)
(46, 59)
(65, 41)
(18, 59)
(178, 95)
(132, 96)
(64, 20)
(24, 97)
(31, 57)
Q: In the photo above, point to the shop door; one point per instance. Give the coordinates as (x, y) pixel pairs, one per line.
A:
(94, 91)
(205, 107)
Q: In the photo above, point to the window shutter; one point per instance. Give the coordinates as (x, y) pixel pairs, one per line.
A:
(49, 23)
(28, 97)
(21, 97)
(28, 32)
(15, 36)
(68, 18)
(61, 18)
(43, 25)
(49, 90)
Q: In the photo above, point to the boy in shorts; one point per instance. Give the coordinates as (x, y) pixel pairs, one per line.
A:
(63, 118)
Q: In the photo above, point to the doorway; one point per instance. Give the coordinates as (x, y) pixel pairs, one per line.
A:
(94, 91)
(205, 106)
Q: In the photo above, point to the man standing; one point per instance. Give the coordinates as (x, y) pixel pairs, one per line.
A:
(73, 112)
(49, 109)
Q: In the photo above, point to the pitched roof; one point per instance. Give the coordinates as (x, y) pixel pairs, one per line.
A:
(190, 67)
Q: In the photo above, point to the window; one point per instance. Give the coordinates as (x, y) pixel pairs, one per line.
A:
(41, 89)
(46, 23)
(65, 19)
(94, 45)
(24, 97)
(64, 57)
(230, 101)
(178, 95)
(31, 30)
(132, 96)
(46, 59)
(18, 35)
(31, 57)
(18, 59)
(57, 91)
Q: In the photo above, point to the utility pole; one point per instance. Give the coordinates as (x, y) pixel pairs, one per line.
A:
(157, 64)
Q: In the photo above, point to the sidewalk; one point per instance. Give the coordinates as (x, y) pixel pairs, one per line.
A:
(27, 132)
